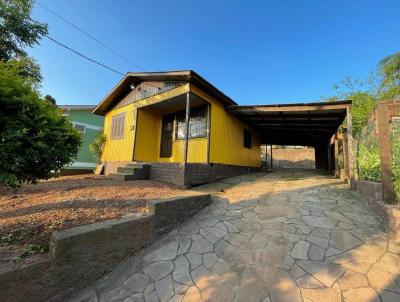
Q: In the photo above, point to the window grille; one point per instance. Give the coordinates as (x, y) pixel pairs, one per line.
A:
(197, 123)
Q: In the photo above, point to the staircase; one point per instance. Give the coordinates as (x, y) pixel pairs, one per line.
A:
(132, 172)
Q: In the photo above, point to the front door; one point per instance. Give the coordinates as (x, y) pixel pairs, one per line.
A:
(166, 135)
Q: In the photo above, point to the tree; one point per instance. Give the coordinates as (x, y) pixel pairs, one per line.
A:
(381, 84)
(17, 29)
(363, 96)
(35, 140)
(389, 69)
(50, 99)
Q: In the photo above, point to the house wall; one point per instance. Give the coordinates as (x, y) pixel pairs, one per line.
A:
(148, 140)
(119, 149)
(226, 137)
(147, 146)
(122, 149)
(93, 123)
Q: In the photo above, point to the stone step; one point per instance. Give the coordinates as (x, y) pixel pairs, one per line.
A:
(126, 177)
(138, 165)
(133, 170)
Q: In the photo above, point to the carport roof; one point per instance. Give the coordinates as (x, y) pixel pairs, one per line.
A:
(306, 124)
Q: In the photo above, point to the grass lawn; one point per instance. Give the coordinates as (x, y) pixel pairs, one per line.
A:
(29, 215)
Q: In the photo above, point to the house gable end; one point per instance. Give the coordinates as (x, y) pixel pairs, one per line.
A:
(145, 90)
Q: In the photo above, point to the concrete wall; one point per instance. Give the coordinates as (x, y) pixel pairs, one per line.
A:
(80, 255)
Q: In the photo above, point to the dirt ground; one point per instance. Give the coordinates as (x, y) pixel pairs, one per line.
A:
(30, 214)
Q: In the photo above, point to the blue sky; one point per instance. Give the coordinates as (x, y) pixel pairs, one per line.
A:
(257, 52)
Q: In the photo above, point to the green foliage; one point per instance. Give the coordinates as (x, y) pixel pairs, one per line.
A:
(363, 96)
(389, 69)
(50, 99)
(30, 249)
(97, 146)
(396, 159)
(35, 140)
(369, 162)
(362, 106)
(25, 68)
(17, 29)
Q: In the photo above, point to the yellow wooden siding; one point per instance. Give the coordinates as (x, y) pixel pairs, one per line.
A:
(119, 149)
(122, 150)
(226, 141)
(226, 145)
(147, 136)
(148, 139)
(197, 151)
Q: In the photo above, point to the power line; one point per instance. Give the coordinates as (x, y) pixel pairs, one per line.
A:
(94, 39)
(84, 56)
(90, 36)
(91, 60)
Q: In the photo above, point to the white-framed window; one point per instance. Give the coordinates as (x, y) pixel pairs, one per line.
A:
(81, 128)
(118, 126)
(197, 123)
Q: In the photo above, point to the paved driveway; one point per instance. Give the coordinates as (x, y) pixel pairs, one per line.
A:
(284, 236)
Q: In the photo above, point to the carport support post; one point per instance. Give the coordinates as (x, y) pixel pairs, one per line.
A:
(345, 156)
(384, 132)
(271, 155)
(350, 146)
(336, 142)
(329, 158)
(186, 146)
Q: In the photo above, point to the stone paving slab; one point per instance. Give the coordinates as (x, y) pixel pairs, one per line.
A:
(283, 236)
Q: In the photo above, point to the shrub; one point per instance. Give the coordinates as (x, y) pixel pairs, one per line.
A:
(369, 162)
(35, 139)
(97, 146)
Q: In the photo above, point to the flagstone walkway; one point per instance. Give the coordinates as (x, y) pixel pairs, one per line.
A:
(283, 236)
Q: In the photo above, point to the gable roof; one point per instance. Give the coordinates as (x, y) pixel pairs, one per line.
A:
(123, 87)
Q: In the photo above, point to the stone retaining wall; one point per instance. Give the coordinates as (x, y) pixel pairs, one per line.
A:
(198, 173)
(168, 172)
(188, 175)
(389, 214)
(82, 254)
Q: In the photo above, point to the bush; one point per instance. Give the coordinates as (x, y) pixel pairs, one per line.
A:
(369, 162)
(97, 146)
(35, 140)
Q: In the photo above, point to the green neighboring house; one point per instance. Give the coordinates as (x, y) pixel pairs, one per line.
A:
(89, 125)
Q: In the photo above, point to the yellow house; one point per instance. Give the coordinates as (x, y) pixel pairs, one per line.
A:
(177, 123)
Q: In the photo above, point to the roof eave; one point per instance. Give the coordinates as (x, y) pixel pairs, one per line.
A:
(183, 75)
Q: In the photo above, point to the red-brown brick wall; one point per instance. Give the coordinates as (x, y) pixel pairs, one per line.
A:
(292, 158)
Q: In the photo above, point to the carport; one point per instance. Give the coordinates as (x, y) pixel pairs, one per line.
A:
(317, 125)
